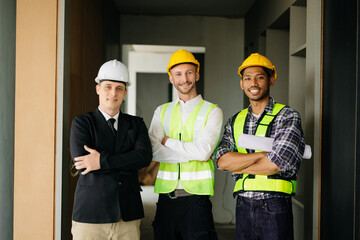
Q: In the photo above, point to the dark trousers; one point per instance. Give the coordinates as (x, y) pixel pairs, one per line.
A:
(269, 219)
(184, 218)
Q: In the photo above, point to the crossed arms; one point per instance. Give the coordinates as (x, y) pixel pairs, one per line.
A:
(285, 155)
(253, 163)
(170, 150)
(89, 158)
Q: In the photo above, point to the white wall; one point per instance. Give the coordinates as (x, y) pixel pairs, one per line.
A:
(7, 103)
(224, 42)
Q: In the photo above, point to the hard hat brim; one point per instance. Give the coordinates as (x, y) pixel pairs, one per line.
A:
(98, 80)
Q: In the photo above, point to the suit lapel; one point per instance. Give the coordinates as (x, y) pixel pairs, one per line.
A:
(123, 127)
(104, 132)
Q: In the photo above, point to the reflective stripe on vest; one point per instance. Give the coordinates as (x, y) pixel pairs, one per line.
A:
(260, 183)
(195, 177)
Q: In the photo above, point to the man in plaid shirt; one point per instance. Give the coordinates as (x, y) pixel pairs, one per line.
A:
(265, 181)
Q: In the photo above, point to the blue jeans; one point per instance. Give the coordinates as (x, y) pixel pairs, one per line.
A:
(269, 219)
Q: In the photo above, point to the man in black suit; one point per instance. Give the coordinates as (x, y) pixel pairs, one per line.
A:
(108, 147)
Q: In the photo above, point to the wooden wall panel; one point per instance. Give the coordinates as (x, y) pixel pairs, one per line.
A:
(86, 54)
(35, 119)
(86, 57)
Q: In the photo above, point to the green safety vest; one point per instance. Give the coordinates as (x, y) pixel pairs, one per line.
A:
(260, 183)
(195, 177)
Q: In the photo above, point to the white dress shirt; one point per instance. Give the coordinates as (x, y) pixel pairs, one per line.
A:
(107, 117)
(176, 151)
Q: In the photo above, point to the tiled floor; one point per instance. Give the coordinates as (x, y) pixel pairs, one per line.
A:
(224, 231)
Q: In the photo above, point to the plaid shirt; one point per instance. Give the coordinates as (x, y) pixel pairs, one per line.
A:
(288, 145)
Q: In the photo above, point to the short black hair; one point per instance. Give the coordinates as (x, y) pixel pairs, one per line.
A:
(268, 72)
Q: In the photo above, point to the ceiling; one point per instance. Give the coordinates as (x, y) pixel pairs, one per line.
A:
(223, 8)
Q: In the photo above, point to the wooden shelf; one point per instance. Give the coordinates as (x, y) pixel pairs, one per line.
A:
(302, 3)
(300, 51)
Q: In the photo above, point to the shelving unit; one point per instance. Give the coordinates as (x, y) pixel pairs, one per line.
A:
(297, 83)
(297, 58)
(299, 52)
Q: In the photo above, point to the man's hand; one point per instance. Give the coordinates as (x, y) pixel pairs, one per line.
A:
(90, 162)
(164, 140)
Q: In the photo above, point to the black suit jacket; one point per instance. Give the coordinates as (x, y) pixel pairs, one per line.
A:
(113, 191)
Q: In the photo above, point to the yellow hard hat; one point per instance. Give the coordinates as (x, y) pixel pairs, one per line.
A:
(257, 60)
(182, 56)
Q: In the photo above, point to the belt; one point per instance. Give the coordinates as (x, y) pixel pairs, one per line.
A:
(178, 193)
(264, 201)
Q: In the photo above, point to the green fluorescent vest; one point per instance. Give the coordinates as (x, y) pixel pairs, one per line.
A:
(260, 183)
(195, 177)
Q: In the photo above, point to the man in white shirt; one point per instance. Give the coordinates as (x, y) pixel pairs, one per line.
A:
(184, 134)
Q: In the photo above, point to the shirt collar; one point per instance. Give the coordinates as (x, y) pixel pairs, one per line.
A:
(193, 102)
(107, 116)
(268, 108)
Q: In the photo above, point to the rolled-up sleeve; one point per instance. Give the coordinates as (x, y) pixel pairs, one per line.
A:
(289, 144)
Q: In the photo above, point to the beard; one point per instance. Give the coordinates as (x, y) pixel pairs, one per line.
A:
(185, 91)
(265, 94)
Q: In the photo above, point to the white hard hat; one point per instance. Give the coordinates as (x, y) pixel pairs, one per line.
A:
(113, 70)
